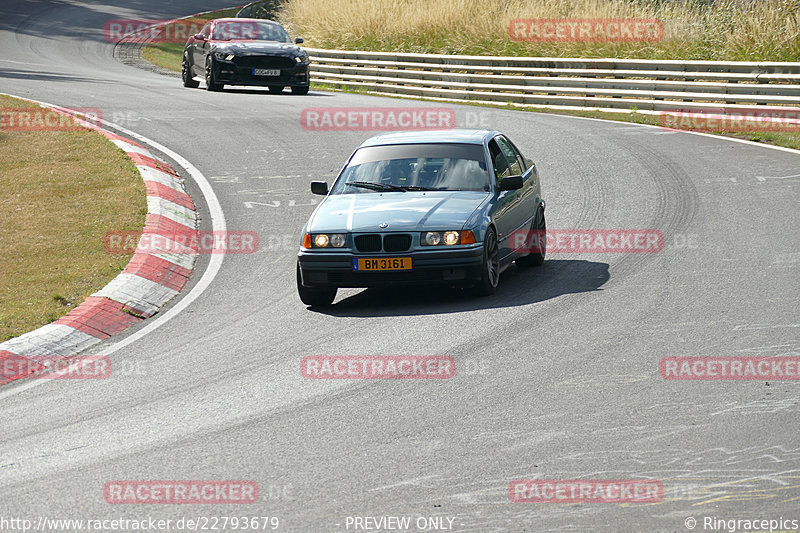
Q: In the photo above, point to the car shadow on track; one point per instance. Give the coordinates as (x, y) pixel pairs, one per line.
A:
(518, 286)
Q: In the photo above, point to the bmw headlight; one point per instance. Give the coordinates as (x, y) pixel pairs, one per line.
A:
(324, 240)
(301, 59)
(446, 238)
(432, 238)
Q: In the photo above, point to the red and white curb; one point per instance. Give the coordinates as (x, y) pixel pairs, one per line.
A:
(146, 284)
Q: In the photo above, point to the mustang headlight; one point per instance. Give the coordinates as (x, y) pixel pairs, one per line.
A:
(446, 238)
(223, 55)
(324, 240)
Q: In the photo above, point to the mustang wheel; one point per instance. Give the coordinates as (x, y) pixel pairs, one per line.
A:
(539, 237)
(300, 90)
(490, 275)
(186, 73)
(211, 83)
(315, 297)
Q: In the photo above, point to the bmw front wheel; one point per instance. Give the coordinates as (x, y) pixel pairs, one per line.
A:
(490, 274)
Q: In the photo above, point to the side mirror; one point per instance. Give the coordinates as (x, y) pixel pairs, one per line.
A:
(319, 187)
(511, 183)
(298, 40)
(199, 37)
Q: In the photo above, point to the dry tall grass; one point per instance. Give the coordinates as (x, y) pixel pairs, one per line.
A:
(765, 30)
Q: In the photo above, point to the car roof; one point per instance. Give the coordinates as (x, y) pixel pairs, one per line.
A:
(460, 136)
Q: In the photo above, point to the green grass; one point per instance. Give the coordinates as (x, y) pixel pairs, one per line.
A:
(60, 192)
(165, 55)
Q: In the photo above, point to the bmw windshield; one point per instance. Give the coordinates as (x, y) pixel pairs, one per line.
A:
(415, 167)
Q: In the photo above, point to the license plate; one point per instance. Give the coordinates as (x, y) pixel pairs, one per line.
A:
(266, 72)
(383, 263)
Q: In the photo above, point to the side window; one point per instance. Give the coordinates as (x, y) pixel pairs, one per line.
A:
(520, 157)
(499, 161)
(516, 165)
(206, 30)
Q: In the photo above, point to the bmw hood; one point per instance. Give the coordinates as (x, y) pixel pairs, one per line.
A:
(400, 211)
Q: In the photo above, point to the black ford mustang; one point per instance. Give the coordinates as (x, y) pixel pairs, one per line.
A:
(240, 51)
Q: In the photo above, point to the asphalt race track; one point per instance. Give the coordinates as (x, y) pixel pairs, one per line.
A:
(557, 374)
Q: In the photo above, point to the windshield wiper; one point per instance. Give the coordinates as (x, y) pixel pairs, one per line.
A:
(376, 186)
(417, 188)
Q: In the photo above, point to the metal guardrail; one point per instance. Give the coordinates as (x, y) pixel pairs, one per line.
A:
(613, 84)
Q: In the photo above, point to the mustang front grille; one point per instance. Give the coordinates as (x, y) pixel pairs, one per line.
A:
(268, 62)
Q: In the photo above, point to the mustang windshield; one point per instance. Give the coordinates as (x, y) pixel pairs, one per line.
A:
(248, 30)
(415, 167)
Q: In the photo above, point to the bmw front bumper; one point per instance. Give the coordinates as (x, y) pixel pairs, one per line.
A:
(330, 268)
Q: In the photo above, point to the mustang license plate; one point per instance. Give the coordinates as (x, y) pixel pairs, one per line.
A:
(266, 72)
(383, 263)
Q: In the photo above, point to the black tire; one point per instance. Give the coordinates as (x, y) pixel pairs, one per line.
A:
(321, 297)
(186, 73)
(211, 84)
(539, 233)
(275, 89)
(300, 90)
(490, 273)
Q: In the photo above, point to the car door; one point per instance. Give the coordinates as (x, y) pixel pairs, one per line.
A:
(529, 194)
(508, 215)
(199, 51)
